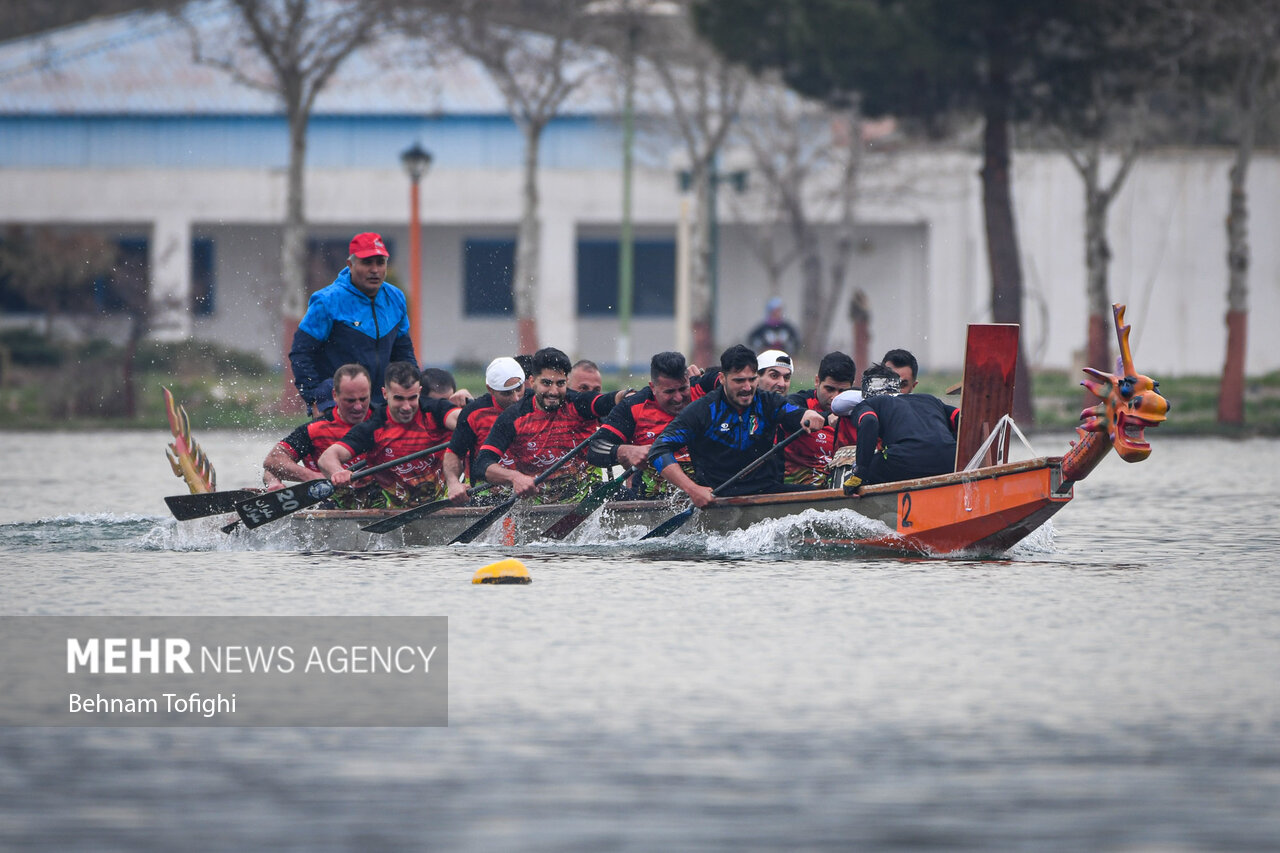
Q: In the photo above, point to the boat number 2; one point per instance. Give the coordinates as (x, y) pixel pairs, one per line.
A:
(905, 510)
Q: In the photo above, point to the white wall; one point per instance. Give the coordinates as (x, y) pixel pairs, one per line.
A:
(924, 266)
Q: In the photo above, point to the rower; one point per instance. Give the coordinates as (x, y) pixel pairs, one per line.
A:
(630, 429)
(295, 457)
(504, 379)
(904, 364)
(900, 436)
(727, 430)
(774, 367)
(807, 459)
(529, 436)
(438, 382)
(409, 422)
(585, 376)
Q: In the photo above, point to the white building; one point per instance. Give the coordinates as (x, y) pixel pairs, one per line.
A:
(111, 124)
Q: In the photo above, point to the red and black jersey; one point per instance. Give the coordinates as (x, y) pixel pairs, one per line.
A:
(529, 440)
(808, 456)
(305, 444)
(473, 427)
(705, 384)
(383, 439)
(637, 419)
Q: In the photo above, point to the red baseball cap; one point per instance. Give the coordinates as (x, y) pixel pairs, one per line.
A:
(367, 245)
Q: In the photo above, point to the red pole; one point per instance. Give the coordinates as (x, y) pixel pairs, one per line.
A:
(415, 271)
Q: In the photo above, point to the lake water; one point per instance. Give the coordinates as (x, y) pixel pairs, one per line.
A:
(1113, 684)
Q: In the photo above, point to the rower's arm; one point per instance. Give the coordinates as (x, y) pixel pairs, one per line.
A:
(332, 463)
(675, 475)
(280, 463)
(452, 466)
(498, 474)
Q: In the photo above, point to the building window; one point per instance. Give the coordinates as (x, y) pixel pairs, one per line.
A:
(653, 288)
(487, 270)
(202, 277)
(126, 287)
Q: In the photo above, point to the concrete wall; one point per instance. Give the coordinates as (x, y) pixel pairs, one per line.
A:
(921, 255)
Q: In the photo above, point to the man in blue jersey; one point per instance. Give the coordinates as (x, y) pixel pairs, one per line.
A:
(358, 319)
(728, 429)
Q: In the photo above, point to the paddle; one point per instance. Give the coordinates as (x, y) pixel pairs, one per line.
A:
(675, 522)
(187, 507)
(500, 510)
(580, 513)
(274, 506)
(400, 519)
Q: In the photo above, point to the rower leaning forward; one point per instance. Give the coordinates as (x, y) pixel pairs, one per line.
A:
(727, 430)
(409, 422)
(531, 436)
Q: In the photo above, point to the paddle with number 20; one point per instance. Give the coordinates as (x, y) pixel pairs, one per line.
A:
(273, 506)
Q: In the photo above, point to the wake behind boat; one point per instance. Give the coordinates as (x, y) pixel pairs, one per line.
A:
(985, 508)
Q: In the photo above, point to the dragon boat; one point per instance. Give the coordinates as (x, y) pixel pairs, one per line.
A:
(985, 507)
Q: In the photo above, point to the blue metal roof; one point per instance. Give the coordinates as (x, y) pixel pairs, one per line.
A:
(262, 141)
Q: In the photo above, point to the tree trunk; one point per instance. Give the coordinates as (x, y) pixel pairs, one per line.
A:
(524, 277)
(1097, 257)
(293, 249)
(860, 316)
(812, 325)
(997, 203)
(1231, 393)
(702, 308)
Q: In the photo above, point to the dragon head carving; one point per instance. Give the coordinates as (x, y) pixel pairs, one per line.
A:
(1130, 403)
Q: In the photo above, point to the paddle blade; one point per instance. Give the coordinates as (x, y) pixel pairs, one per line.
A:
(588, 505)
(400, 519)
(671, 525)
(186, 507)
(486, 521)
(273, 506)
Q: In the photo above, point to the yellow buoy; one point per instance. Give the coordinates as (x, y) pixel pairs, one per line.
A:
(509, 570)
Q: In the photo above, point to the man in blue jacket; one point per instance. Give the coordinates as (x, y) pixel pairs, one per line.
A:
(358, 319)
(728, 429)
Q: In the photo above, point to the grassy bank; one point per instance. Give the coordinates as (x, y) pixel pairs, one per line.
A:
(44, 387)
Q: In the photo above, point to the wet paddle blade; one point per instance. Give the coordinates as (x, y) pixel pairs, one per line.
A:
(400, 519)
(186, 507)
(271, 506)
(588, 505)
(486, 521)
(671, 525)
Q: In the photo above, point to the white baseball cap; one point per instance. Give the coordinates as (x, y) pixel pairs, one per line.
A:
(773, 358)
(504, 374)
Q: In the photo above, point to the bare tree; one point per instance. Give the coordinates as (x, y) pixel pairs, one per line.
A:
(703, 93)
(537, 69)
(808, 157)
(290, 48)
(1086, 155)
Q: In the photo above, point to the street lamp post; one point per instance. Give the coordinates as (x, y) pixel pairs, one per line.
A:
(626, 241)
(634, 16)
(416, 160)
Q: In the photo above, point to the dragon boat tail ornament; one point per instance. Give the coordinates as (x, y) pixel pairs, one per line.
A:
(1130, 403)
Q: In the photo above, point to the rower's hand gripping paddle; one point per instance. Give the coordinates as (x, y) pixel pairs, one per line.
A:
(273, 506)
(675, 522)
